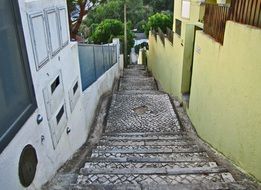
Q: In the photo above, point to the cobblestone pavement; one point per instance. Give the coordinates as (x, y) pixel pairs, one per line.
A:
(144, 146)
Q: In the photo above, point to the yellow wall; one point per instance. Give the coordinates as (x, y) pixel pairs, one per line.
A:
(173, 69)
(165, 63)
(225, 100)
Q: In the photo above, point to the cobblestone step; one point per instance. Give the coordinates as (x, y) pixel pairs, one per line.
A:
(136, 67)
(117, 179)
(144, 146)
(137, 84)
(159, 157)
(139, 92)
(148, 149)
(128, 73)
(198, 186)
(177, 165)
(147, 138)
(146, 143)
(146, 134)
(151, 159)
(142, 113)
(153, 171)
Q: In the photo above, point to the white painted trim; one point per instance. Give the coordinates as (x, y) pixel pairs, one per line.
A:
(38, 63)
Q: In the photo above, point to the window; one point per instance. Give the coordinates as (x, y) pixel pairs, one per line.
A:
(53, 29)
(17, 100)
(178, 24)
(185, 11)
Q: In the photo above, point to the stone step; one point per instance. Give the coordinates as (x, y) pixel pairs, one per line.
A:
(152, 159)
(142, 128)
(142, 113)
(142, 79)
(146, 134)
(148, 149)
(153, 171)
(136, 67)
(158, 157)
(137, 84)
(139, 92)
(141, 179)
(194, 186)
(135, 74)
(147, 138)
(146, 142)
(128, 70)
(175, 165)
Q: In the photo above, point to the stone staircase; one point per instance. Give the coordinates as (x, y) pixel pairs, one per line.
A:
(144, 146)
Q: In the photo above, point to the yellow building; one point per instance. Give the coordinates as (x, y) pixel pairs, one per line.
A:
(216, 76)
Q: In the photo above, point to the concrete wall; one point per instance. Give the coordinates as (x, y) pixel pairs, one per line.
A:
(79, 120)
(92, 95)
(225, 97)
(173, 70)
(165, 64)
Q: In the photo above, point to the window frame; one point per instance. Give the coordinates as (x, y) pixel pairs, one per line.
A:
(178, 27)
(182, 16)
(13, 129)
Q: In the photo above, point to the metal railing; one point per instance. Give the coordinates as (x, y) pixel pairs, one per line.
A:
(95, 60)
(241, 11)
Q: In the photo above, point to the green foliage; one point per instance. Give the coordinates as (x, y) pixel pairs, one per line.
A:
(159, 20)
(160, 5)
(114, 9)
(100, 18)
(109, 29)
(111, 10)
(141, 26)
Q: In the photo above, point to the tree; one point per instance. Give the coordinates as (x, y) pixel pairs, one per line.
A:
(160, 5)
(109, 29)
(74, 27)
(159, 20)
(113, 9)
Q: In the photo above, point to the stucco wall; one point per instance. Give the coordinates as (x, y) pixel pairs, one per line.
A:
(79, 121)
(173, 70)
(225, 97)
(165, 63)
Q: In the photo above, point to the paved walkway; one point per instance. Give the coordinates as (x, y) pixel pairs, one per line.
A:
(144, 146)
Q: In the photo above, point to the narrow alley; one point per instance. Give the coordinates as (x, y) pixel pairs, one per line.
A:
(145, 147)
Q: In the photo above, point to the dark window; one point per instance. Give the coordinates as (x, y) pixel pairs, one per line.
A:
(178, 24)
(17, 100)
(55, 84)
(75, 87)
(60, 115)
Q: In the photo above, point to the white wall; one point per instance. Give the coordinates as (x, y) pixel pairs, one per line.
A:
(79, 121)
